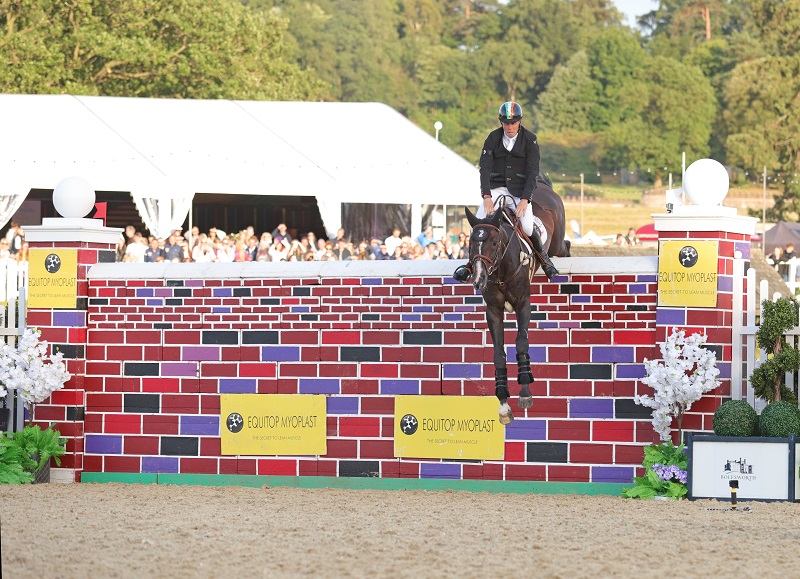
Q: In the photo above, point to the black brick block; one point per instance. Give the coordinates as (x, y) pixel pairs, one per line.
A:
(635, 308)
(184, 292)
(242, 292)
(173, 302)
(75, 413)
(180, 445)
(141, 403)
(269, 301)
(80, 304)
(547, 452)
(162, 326)
(585, 325)
(627, 408)
(431, 338)
(220, 337)
(98, 301)
(259, 337)
(362, 468)
(174, 283)
(569, 288)
(360, 354)
(370, 317)
(301, 291)
(538, 316)
(106, 256)
(716, 349)
(590, 371)
(71, 351)
(141, 369)
(473, 300)
(309, 317)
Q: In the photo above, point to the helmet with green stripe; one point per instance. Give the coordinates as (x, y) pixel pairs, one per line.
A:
(510, 112)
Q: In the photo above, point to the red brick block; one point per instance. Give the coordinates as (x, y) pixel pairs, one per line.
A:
(147, 445)
(376, 449)
(526, 472)
(567, 473)
(341, 337)
(209, 404)
(93, 423)
(193, 465)
(180, 404)
(228, 466)
(258, 370)
(514, 452)
(288, 386)
(628, 454)
(210, 446)
(442, 354)
(409, 469)
(280, 467)
(390, 469)
(570, 389)
(591, 453)
(246, 466)
(372, 370)
(420, 371)
(358, 427)
(123, 423)
(360, 386)
(159, 424)
(327, 467)
(50, 413)
(613, 430)
(91, 463)
(493, 471)
(549, 408)
(161, 385)
(568, 429)
(345, 370)
(377, 405)
(101, 402)
(589, 337)
(342, 448)
(119, 464)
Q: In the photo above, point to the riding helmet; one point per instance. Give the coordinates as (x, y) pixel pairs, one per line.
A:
(510, 112)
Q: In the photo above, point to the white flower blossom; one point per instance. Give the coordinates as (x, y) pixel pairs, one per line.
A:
(26, 369)
(687, 372)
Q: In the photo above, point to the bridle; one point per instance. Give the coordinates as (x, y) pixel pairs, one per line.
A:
(493, 262)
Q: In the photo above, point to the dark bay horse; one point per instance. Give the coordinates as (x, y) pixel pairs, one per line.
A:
(502, 272)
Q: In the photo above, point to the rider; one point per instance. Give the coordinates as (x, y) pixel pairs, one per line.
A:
(509, 166)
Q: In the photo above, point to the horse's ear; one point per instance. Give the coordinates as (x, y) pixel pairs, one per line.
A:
(497, 217)
(470, 217)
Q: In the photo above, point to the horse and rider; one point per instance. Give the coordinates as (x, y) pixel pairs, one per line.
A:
(519, 224)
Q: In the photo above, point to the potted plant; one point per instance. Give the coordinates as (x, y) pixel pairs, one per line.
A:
(687, 371)
(34, 448)
(11, 469)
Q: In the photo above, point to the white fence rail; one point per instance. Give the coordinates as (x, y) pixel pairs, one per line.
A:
(13, 283)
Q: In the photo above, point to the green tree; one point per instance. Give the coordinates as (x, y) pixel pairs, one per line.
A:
(567, 103)
(183, 48)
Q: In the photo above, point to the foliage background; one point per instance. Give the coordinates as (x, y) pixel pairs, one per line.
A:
(715, 78)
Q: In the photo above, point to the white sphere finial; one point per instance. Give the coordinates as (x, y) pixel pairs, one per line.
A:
(73, 197)
(706, 182)
(437, 125)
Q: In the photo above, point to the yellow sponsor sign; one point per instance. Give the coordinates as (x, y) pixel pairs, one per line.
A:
(687, 273)
(464, 427)
(53, 278)
(266, 424)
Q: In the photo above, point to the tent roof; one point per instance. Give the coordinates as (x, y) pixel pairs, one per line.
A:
(348, 152)
(782, 233)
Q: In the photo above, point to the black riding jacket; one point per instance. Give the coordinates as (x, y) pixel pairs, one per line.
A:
(516, 169)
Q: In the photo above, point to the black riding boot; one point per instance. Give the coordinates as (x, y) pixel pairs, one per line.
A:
(547, 266)
(462, 273)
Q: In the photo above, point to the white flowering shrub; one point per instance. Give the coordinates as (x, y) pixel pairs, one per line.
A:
(28, 370)
(687, 372)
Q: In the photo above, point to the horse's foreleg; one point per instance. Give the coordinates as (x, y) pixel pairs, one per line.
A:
(494, 318)
(524, 375)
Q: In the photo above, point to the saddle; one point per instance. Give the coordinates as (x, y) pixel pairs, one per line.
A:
(530, 247)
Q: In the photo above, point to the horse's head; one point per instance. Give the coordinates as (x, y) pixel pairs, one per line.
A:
(486, 245)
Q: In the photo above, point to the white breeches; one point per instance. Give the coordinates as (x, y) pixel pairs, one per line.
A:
(527, 221)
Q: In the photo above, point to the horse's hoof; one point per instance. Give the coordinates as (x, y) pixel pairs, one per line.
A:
(525, 402)
(506, 416)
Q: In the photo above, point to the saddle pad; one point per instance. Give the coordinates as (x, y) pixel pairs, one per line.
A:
(538, 226)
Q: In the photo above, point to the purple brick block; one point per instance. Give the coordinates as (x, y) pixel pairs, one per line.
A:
(222, 292)
(637, 288)
(724, 283)
(203, 424)
(160, 464)
(320, 386)
(462, 371)
(468, 309)
(280, 354)
(372, 281)
(69, 319)
(145, 292)
(547, 325)
(647, 278)
(580, 299)
(187, 370)
(744, 247)
(422, 308)
(591, 408)
(670, 317)
(300, 309)
(237, 386)
(526, 430)
(612, 474)
(164, 292)
(634, 371)
(155, 302)
(193, 283)
(400, 386)
(724, 369)
(439, 470)
(453, 317)
(220, 310)
(569, 324)
(103, 444)
(342, 405)
(612, 354)
(410, 317)
(198, 353)
(537, 353)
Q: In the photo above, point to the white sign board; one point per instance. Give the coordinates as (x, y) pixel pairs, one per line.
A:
(761, 468)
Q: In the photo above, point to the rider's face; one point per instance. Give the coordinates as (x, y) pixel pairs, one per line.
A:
(511, 129)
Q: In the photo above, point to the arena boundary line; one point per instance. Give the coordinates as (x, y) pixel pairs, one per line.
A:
(360, 483)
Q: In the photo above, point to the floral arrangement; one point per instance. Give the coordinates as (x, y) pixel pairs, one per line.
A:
(687, 372)
(665, 473)
(27, 369)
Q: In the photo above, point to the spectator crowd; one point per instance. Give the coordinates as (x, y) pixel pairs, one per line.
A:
(218, 246)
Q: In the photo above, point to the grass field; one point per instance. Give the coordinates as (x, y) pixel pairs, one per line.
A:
(609, 218)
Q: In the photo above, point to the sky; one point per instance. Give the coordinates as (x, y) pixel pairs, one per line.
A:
(634, 8)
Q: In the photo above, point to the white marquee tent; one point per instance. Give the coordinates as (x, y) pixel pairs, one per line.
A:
(163, 151)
